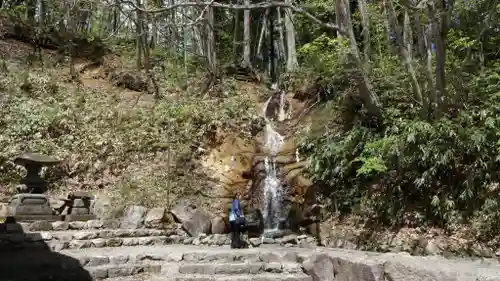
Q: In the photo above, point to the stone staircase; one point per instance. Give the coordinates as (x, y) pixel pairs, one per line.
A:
(155, 263)
(77, 251)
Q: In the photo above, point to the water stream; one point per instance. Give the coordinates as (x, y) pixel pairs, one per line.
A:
(273, 191)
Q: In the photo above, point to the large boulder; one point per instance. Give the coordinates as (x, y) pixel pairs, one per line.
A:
(133, 217)
(155, 218)
(320, 267)
(130, 80)
(219, 226)
(193, 220)
(102, 206)
(324, 267)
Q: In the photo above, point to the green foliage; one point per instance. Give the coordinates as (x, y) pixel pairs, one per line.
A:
(440, 170)
(324, 53)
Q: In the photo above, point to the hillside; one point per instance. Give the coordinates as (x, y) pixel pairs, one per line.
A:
(112, 139)
(385, 113)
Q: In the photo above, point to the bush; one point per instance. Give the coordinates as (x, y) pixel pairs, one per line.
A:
(414, 171)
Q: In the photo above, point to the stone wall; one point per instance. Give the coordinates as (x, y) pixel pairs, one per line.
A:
(417, 242)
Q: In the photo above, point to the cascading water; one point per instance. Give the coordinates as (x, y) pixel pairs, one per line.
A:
(273, 192)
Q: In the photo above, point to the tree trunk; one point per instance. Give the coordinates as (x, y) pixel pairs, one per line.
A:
(281, 42)
(426, 34)
(365, 22)
(403, 51)
(138, 30)
(291, 60)
(246, 36)
(262, 32)
(339, 16)
(236, 36)
(211, 52)
(363, 84)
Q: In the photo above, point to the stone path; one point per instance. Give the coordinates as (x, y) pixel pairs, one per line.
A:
(266, 263)
(86, 253)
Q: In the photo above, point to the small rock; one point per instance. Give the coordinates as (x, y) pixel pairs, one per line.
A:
(106, 233)
(133, 217)
(84, 235)
(79, 244)
(130, 242)
(255, 242)
(114, 242)
(219, 239)
(432, 249)
(219, 226)
(118, 259)
(188, 241)
(97, 261)
(40, 226)
(60, 225)
(145, 240)
(111, 223)
(176, 239)
(288, 239)
(94, 224)
(77, 225)
(268, 240)
(270, 257)
(293, 268)
(126, 233)
(273, 267)
(99, 242)
(154, 218)
(197, 241)
(206, 240)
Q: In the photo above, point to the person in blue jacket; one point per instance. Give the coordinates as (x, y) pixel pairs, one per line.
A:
(237, 222)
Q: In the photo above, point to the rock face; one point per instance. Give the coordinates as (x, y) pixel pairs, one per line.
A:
(133, 217)
(193, 220)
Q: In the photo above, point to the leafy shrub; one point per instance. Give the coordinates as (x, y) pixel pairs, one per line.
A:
(415, 171)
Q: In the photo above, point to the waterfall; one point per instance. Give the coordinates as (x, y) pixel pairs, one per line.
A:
(273, 192)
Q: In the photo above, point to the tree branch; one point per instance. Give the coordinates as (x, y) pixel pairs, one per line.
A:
(261, 5)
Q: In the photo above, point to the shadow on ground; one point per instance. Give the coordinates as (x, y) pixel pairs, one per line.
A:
(34, 261)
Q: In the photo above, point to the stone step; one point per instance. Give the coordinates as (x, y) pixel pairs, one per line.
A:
(99, 263)
(77, 239)
(96, 271)
(185, 253)
(67, 235)
(179, 269)
(233, 277)
(143, 254)
(202, 277)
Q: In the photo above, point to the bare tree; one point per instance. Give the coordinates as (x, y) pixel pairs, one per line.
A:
(291, 61)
